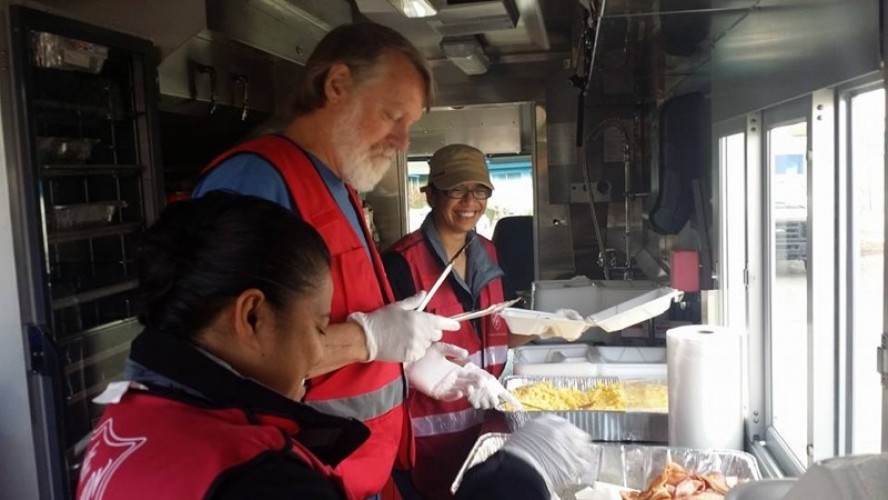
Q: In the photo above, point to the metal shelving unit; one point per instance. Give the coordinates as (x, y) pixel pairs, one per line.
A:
(90, 186)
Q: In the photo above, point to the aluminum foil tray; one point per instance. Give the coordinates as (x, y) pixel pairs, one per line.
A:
(633, 426)
(633, 466)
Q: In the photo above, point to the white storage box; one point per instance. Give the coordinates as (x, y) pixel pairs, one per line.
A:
(554, 360)
(591, 361)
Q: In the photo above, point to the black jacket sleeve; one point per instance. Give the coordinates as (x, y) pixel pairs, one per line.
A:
(273, 476)
(503, 477)
(398, 271)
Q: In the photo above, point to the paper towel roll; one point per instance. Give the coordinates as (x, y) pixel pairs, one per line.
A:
(705, 387)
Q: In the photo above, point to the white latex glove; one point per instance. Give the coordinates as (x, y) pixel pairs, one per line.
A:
(450, 351)
(566, 314)
(400, 334)
(435, 375)
(557, 449)
(483, 390)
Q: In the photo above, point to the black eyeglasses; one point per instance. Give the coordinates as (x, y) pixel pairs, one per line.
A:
(481, 193)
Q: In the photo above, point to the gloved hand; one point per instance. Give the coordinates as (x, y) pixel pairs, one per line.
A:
(450, 351)
(570, 336)
(557, 449)
(398, 333)
(435, 375)
(483, 390)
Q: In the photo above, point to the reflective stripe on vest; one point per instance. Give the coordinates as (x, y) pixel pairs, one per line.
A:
(447, 423)
(365, 406)
(372, 392)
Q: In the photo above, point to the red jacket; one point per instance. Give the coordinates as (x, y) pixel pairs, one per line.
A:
(148, 446)
(371, 392)
(445, 431)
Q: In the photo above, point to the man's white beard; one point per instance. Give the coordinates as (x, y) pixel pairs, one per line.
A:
(361, 167)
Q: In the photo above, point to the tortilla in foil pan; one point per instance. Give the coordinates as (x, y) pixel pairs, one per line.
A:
(629, 425)
(633, 466)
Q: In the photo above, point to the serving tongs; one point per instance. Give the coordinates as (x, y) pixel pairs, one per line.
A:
(440, 280)
(495, 308)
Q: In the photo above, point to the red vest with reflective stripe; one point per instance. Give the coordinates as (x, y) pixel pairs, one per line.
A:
(149, 447)
(444, 432)
(371, 392)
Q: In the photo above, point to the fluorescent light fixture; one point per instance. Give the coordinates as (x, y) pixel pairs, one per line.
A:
(467, 54)
(415, 8)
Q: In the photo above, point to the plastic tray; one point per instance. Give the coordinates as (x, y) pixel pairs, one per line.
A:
(554, 360)
(633, 466)
(583, 360)
(628, 354)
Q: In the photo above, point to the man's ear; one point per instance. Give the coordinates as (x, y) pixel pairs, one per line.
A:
(249, 311)
(338, 83)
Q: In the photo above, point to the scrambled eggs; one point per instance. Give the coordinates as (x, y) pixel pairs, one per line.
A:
(545, 396)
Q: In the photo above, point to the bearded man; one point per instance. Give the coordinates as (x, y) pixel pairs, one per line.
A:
(364, 86)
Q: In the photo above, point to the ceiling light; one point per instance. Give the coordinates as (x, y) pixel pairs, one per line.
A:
(415, 8)
(467, 54)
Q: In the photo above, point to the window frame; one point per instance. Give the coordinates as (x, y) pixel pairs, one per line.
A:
(845, 279)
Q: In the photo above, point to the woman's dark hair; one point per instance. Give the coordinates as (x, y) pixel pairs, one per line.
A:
(202, 253)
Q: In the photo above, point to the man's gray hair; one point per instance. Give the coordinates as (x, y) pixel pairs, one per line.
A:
(360, 47)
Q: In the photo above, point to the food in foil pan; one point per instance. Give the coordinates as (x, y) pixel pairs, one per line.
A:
(635, 421)
(677, 482)
(544, 396)
(58, 52)
(625, 466)
(602, 395)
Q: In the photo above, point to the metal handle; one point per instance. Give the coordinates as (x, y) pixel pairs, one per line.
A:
(204, 69)
(245, 97)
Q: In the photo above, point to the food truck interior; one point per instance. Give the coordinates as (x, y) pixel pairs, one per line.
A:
(732, 150)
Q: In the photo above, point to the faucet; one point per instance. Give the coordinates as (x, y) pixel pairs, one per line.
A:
(607, 256)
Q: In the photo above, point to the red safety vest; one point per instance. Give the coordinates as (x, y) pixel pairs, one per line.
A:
(444, 432)
(149, 446)
(371, 392)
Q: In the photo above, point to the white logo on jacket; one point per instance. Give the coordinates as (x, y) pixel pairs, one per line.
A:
(107, 452)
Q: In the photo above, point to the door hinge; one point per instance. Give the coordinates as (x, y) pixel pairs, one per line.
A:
(882, 360)
(746, 276)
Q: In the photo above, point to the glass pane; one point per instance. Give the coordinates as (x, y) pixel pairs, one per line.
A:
(512, 178)
(867, 168)
(787, 149)
(732, 150)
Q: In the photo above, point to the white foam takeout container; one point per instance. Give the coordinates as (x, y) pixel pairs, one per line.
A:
(641, 307)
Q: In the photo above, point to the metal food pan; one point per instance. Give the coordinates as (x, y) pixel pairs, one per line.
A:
(633, 466)
(67, 217)
(633, 426)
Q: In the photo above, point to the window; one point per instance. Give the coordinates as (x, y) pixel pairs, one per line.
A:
(788, 284)
(512, 178)
(866, 258)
